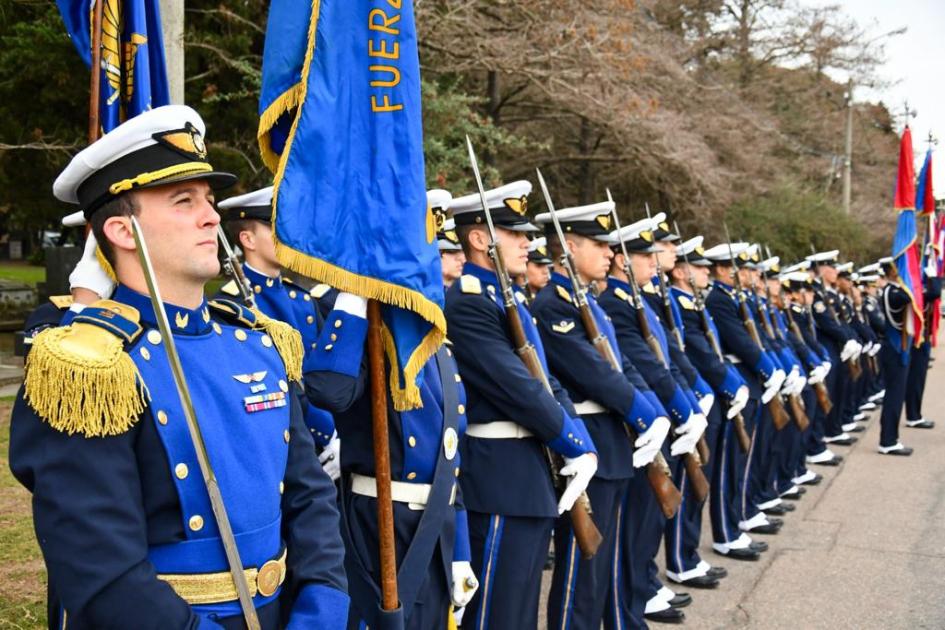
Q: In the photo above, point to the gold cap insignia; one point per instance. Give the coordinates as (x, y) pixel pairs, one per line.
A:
(439, 218)
(517, 205)
(700, 250)
(451, 236)
(187, 141)
(604, 220)
(647, 236)
(542, 250)
(664, 226)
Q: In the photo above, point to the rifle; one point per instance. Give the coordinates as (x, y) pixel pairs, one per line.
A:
(232, 268)
(692, 461)
(741, 433)
(586, 534)
(823, 396)
(774, 332)
(657, 471)
(778, 415)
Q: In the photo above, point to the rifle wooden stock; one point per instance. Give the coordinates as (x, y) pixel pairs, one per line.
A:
(853, 367)
(823, 397)
(798, 413)
(657, 471)
(779, 415)
(586, 534)
(741, 433)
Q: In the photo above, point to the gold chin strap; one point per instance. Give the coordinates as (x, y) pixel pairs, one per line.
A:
(187, 168)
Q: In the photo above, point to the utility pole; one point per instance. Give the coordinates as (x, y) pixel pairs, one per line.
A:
(848, 150)
(172, 23)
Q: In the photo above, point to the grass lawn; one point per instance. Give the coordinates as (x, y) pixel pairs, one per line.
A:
(22, 272)
(23, 581)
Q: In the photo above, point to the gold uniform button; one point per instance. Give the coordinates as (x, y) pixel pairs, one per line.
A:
(195, 523)
(257, 289)
(162, 416)
(181, 471)
(286, 436)
(459, 379)
(145, 354)
(267, 341)
(310, 319)
(411, 475)
(337, 323)
(307, 297)
(461, 409)
(283, 385)
(314, 346)
(240, 334)
(154, 337)
(334, 337)
(328, 348)
(456, 472)
(217, 329)
(292, 294)
(281, 487)
(412, 441)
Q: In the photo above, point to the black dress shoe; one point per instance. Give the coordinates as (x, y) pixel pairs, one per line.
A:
(905, 451)
(776, 521)
(788, 507)
(703, 581)
(794, 496)
(741, 554)
(670, 615)
(775, 510)
(847, 441)
(717, 572)
(813, 482)
(831, 462)
(768, 528)
(920, 424)
(681, 600)
(758, 545)
(857, 429)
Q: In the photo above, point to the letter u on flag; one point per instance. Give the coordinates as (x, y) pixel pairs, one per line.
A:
(134, 74)
(340, 126)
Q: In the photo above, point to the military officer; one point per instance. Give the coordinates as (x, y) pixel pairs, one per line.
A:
(538, 269)
(849, 314)
(690, 278)
(894, 356)
(99, 436)
(756, 367)
(919, 361)
(644, 522)
(514, 421)
(430, 526)
(608, 398)
(247, 219)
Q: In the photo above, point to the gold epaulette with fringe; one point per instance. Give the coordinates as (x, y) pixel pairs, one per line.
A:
(79, 378)
(286, 339)
(61, 301)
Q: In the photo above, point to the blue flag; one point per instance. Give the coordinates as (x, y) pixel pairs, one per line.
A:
(340, 126)
(134, 75)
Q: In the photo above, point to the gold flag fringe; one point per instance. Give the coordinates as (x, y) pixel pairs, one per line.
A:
(96, 394)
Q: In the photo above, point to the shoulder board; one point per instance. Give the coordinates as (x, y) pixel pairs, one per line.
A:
(621, 294)
(319, 291)
(520, 297)
(234, 312)
(797, 308)
(686, 303)
(563, 293)
(61, 301)
(649, 288)
(230, 288)
(79, 378)
(470, 284)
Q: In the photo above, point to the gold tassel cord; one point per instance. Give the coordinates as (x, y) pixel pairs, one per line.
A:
(80, 380)
(106, 266)
(288, 342)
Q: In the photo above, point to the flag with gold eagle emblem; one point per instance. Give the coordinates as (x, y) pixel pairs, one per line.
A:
(340, 127)
(134, 74)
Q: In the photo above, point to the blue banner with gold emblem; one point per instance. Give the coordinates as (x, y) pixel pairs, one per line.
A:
(340, 126)
(134, 74)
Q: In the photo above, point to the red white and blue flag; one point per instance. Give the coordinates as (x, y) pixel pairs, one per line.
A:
(906, 249)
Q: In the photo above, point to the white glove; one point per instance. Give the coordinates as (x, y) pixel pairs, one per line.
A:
(580, 470)
(875, 349)
(88, 273)
(867, 347)
(689, 434)
(464, 584)
(352, 304)
(817, 374)
(799, 383)
(649, 442)
(788, 385)
(738, 403)
(330, 458)
(828, 366)
(850, 349)
(772, 385)
(706, 402)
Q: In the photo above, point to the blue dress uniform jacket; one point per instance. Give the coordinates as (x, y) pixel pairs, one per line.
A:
(507, 476)
(424, 449)
(722, 303)
(587, 376)
(826, 317)
(118, 502)
(285, 301)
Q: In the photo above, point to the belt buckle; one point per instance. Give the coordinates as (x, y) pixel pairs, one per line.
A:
(268, 578)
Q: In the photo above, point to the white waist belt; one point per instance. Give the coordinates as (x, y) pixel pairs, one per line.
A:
(732, 358)
(498, 430)
(588, 407)
(415, 495)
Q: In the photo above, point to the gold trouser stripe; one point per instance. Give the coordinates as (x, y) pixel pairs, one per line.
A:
(146, 178)
(211, 588)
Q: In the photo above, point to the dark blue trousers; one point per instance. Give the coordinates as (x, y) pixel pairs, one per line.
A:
(745, 463)
(915, 383)
(764, 439)
(839, 396)
(895, 374)
(580, 589)
(723, 499)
